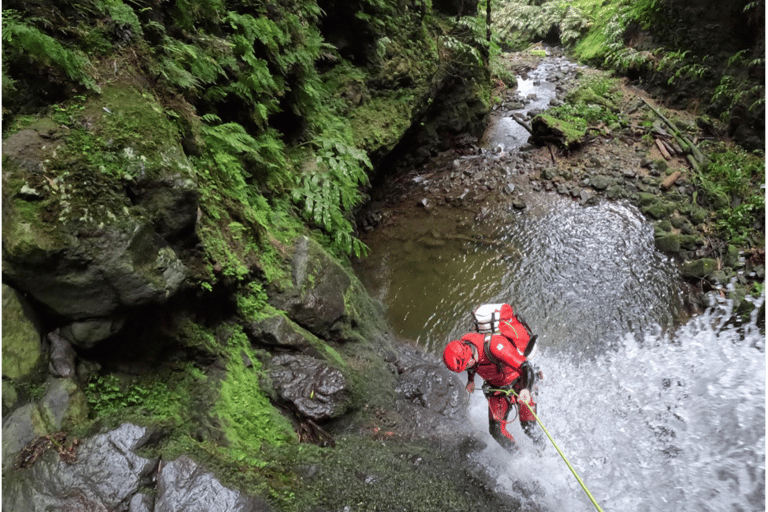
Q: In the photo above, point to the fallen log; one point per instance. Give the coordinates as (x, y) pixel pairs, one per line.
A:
(685, 144)
(522, 123)
(662, 149)
(671, 179)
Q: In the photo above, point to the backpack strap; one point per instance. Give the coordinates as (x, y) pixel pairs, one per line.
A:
(531, 337)
(489, 355)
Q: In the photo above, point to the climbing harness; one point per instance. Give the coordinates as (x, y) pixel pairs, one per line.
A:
(583, 486)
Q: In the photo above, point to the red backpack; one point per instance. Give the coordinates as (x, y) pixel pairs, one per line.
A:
(501, 319)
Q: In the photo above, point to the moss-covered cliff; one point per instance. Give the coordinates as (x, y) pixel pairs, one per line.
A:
(179, 180)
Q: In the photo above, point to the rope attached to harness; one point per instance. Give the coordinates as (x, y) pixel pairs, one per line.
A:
(589, 494)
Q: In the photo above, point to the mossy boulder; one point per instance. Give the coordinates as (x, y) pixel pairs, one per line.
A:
(22, 344)
(325, 298)
(657, 209)
(668, 243)
(86, 227)
(546, 128)
(731, 257)
(700, 268)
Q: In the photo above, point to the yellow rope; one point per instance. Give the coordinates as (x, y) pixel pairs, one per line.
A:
(589, 494)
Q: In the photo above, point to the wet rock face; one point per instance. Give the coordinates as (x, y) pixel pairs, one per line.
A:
(88, 237)
(184, 485)
(435, 388)
(107, 474)
(324, 299)
(314, 388)
(104, 477)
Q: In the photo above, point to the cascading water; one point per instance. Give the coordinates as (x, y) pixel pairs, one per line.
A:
(665, 422)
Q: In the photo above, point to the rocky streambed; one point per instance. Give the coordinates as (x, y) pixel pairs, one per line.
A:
(632, 161)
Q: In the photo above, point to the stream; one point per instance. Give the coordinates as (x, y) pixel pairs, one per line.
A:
(656, 410)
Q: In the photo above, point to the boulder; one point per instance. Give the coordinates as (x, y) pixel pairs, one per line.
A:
(668, 243)
(700, 268)
(93, 238)
(87, 333)
(22, 344)
(185, 486)
(62, 359)
(63, 405)
(325, 299)
(104, 476)
(279, 331)
(314, 388)
(20, 428)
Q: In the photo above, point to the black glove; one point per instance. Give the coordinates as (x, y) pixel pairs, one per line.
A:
(529, 376)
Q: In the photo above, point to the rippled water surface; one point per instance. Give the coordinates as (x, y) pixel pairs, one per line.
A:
(581, 276)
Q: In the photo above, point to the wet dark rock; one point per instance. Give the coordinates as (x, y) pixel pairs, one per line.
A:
(62, 359)
(172, 205)
(279, 331)
(106, 474)
(435, 388)
(183, 485)
(313, 387)
(318, 294)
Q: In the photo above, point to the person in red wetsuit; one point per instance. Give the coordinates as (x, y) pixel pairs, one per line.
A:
(498, 353)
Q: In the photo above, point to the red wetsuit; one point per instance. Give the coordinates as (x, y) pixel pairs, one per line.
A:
(501, 370)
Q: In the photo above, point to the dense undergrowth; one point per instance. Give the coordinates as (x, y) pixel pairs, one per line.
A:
(720, 65)
(714, 71)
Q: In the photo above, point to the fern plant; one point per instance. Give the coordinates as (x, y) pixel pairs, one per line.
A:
(23, 42)
(329, 189)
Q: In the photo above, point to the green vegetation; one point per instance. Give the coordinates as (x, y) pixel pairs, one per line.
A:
(248, 418)
(107, 395)
(592, 103)
(26, 45)
(732, 184)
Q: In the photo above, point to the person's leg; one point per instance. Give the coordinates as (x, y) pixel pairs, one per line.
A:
(529, 427)
(498, 409)
(528, 422)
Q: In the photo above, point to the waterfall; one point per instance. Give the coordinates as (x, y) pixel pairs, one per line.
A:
(671, 421)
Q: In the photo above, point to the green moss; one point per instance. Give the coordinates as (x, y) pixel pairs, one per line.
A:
(379, 123)
(22, 350)
(572, 128)
(247, 417)
(196, 336)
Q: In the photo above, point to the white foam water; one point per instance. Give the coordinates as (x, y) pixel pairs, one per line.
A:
(671, 421)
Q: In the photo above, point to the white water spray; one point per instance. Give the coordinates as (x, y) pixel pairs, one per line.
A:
(663, 423)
